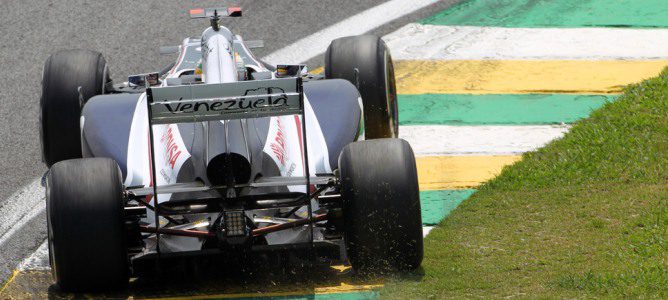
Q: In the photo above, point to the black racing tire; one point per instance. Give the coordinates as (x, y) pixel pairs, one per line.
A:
(365, 61)
(381, 206)
(86, 231)
(60, 105)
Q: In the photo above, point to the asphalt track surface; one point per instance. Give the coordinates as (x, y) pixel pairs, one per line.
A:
(128, 33)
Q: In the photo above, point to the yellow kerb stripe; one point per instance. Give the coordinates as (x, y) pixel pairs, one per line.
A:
(521, 76)
(318, 70)
(459, 172)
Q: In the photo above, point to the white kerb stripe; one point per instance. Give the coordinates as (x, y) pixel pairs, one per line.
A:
(317, 43)
(20, 208)
(39, 260)
(426, 230)
(430, 140)
(433, 42)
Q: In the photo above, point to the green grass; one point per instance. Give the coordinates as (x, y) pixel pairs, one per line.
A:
(585, 216)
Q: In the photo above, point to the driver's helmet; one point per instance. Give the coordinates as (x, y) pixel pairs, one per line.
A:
(198, 68)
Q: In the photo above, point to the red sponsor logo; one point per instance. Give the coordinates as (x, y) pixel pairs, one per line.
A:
(172, 152)
(278, 144)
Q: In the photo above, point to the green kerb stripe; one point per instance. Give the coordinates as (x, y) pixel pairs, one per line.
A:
(555, 13)
(436, 205)
(522, 109)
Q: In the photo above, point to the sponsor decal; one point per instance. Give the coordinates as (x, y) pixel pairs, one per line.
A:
(279, 99)
(291, 170)
(165, 176)
(172, 151)
(278, 144)
(282, 146)
(206, 51)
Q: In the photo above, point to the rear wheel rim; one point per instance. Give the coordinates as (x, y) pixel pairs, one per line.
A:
(391, 95)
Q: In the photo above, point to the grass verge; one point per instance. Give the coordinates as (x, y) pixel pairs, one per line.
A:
(585, 216)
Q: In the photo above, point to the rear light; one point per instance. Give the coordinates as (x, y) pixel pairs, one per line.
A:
(235, 223)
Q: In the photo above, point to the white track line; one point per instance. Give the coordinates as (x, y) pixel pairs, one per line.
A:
(431, 42)
(433, 140)
(38, 261)
(372, 18)
(20, 208)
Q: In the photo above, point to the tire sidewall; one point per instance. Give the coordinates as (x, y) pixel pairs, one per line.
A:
(60, 104)
(366, 62)
(86, 239)
(381, 205)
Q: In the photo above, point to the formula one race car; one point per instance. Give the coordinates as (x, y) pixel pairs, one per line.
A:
(221, 154)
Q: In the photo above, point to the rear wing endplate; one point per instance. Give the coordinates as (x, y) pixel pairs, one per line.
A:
(225, 101)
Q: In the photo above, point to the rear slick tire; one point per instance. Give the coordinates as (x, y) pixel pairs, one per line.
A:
(86, 231)
(365, 61)
(60, 105)
(381, 206)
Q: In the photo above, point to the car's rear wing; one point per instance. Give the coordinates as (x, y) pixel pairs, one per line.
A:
(225, 101)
